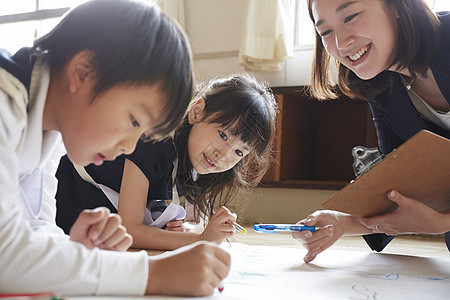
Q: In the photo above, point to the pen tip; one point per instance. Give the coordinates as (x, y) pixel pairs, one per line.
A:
(243, 231)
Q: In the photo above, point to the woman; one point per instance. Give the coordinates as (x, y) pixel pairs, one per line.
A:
(395, 55)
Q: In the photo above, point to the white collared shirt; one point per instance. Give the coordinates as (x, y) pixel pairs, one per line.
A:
(35, 255)
(441, 119)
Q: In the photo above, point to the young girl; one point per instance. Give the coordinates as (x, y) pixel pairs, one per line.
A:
(223, 146)
(108, 73)
(396, 55)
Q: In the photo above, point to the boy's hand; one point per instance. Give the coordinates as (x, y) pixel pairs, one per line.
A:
(194, 270)
(102, 229)
(220, 226)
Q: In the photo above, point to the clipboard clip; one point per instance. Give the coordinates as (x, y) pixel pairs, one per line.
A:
(364, 159)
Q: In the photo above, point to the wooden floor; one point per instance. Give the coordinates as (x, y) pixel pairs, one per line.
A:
(417, 245)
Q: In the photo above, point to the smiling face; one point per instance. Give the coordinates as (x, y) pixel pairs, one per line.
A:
(360, 34)
(211, 147)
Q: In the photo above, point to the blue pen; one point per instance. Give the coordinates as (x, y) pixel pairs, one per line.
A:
(274, 228)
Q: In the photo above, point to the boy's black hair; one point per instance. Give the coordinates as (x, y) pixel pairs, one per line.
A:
(133, 43)
(248, 108)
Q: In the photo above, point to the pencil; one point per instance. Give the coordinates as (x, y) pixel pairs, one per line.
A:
(239, 228)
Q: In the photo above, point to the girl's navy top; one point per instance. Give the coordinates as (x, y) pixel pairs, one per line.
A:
(74, 194)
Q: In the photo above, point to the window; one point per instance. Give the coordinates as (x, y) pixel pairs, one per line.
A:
(304, 33)
(439, 5)
(22, 21)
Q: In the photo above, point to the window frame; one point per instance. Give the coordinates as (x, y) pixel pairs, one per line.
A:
(299, 7)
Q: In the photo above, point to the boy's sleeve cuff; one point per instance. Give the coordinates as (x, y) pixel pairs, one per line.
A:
(123, 273)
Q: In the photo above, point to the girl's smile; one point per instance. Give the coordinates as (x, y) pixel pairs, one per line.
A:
(208, 162)
(212, 148)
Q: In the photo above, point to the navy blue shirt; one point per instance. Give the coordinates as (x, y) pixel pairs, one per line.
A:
(396, 119)
(74, 194)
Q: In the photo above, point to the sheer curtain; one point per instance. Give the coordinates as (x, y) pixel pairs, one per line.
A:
(267, 36)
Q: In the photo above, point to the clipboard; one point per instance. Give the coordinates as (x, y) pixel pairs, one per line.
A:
(419, 169)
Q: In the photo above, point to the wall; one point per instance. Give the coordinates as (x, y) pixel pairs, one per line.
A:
(214, 28)
(278, 205)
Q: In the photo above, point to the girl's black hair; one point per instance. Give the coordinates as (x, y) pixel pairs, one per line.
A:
(133, 43)
(248, 108)
(417, 43)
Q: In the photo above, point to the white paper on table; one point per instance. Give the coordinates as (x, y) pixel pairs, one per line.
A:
(271, 272)
(173, 212)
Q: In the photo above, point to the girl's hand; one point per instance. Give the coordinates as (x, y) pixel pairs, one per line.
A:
(220, 226)
(411, 216)
(175, 225)
(99, 228)
(194, 270)
(334, 225)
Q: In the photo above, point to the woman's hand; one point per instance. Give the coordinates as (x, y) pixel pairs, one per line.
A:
(102, 229)
(334, 225)
(220, 226)
(411, 216)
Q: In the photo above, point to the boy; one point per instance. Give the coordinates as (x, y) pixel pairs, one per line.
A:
(108, 74)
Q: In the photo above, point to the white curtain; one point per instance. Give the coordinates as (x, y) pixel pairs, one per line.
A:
(267, 37)
(175, 9)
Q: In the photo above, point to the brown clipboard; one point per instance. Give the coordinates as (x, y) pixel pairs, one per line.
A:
(419, 169)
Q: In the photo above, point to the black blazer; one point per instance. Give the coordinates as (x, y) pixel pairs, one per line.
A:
(396, 119)
(20, 64)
